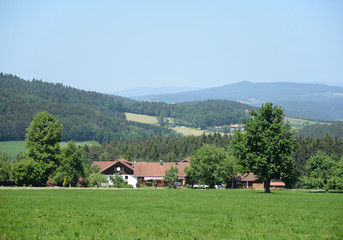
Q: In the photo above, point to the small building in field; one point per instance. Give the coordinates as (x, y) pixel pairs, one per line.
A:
(251, 181)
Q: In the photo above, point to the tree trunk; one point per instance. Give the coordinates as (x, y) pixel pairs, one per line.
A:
(267, 185)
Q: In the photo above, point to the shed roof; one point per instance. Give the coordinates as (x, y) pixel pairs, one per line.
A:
(277, 184)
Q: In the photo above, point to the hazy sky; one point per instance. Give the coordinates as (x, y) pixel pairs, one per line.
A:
(108, 46)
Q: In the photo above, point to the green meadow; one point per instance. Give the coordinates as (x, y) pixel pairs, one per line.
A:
(186, 131)
(169, 214)
(299, 123)
(15, 147)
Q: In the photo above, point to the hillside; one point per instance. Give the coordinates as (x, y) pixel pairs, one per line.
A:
(89, 115)
(195, 114)
(85, 115)
(314, 101)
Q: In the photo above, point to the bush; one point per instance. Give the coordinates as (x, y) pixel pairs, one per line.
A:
(96, 179)
(82, 182)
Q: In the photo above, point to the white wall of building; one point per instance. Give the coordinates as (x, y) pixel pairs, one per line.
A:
(130, 179)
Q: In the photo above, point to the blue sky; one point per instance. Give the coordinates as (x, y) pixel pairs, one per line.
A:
(109, 46)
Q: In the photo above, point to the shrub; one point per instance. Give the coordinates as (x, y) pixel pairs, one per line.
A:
(82, 182)
(96, 179)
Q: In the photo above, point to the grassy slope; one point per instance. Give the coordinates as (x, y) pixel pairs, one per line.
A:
(152, 120)
(160, 214)
(15, 147)
(300, 123)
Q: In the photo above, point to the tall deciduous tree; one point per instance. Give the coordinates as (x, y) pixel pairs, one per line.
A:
(43, 138)
(71, 167)
(266, 144)
(211, 165)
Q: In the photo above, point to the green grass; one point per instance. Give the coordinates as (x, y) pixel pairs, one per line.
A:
(141, 118)
(300, 123)
(186, 131)
(12, 147)
(169, 214)
(15, 147)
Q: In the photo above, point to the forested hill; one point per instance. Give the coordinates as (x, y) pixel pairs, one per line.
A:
(85, 115)
(197, 114)
(314, 101)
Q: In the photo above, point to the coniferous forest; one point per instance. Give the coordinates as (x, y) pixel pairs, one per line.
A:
(89, 115)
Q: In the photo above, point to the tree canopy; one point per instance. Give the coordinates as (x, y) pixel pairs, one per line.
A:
(42, 158)
(71, 167)
(266, 145)
(211, 166)
(171, 175)
(324, 172)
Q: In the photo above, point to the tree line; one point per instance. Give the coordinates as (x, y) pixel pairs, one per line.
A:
(335, 129)
(304, 162)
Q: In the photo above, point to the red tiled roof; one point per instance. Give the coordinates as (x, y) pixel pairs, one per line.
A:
(246, 177)
(105, 165)
(155, 169)
(102, 165)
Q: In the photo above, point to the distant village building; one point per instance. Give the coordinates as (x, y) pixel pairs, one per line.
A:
(149, 172)
(144, 172)
(251, 181)
(234, 127)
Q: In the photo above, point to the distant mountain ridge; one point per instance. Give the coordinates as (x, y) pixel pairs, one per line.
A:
(143, 91)
(317, 101)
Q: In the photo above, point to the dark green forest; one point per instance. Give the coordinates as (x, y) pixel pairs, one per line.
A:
(89, 115)
(334, 129)
(197, 114)
(85, 115)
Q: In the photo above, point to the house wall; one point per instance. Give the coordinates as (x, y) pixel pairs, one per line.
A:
(242, 184)
(130, 179)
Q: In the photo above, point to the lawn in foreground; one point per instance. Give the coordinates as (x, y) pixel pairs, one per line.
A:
(163, 213)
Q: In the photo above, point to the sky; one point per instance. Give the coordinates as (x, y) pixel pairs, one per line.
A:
(110, 46)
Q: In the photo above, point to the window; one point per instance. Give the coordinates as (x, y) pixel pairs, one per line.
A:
(126, 177)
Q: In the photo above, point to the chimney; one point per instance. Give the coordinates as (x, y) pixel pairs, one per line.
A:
(161, 162)
(176, 162)
(133, 165)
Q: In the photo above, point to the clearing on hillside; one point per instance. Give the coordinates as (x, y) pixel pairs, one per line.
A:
(152, 120)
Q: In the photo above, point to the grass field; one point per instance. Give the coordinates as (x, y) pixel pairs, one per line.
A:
(300, 123)
(152, 120)
(188, 131)
(141, 118)
(169, 214)
(15, 147)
